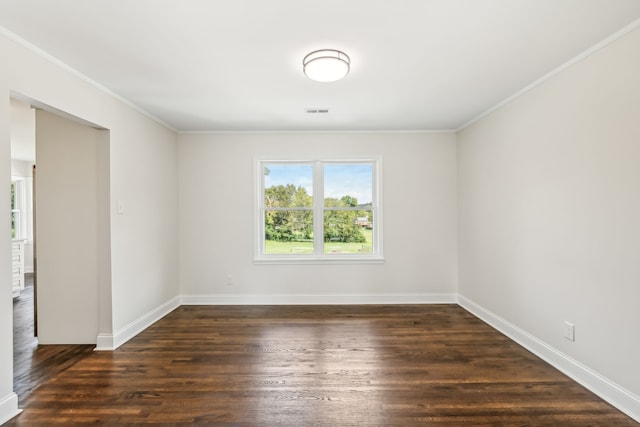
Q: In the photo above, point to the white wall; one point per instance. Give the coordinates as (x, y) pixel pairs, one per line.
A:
(143, 174)
(21, 168)
(216, 220)
(144, 239)
(67, 230)
(549, 206)
(8, 399)
(23, 131)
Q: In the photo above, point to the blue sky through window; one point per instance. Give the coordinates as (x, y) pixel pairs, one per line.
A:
(353, 180)
(296, 174)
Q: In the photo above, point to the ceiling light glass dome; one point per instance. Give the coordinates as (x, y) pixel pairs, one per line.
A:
(326, 65)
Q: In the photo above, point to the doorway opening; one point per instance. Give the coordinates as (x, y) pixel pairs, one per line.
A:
(58, 228)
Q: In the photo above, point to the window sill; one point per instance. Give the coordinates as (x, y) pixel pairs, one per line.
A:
(301, 259)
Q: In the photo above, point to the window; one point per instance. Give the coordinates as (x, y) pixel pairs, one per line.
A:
(318, 211)
(16, 211)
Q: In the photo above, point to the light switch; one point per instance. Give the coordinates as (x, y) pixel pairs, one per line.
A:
(569, 331)
(120, 207)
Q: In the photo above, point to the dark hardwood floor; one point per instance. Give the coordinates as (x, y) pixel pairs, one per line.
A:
(316, 366)
(33, 364)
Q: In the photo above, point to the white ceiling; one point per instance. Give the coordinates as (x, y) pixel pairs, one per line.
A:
(224, 65)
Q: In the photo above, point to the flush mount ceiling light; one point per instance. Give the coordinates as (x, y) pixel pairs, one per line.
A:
(326, 65)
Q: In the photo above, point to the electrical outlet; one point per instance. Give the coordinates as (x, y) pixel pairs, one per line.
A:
(569, 331)
(229, 279)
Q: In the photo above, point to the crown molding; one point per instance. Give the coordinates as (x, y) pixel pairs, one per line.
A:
(317, 132)
(55, 61)
(576, 59)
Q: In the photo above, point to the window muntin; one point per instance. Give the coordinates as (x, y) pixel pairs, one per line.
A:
(318, 211)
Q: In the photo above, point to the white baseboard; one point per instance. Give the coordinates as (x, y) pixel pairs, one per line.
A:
(9, 407)
(104, 342)
(237, 299)
(622, 399)
(134, 328)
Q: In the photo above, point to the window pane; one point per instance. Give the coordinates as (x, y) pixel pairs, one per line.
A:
(348, 232)
(288, 185)
(13, 194)
(15, 224)
(348, 185)
(288, 232)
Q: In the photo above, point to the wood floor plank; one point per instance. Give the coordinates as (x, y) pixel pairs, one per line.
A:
(32, 363)
(369, 365)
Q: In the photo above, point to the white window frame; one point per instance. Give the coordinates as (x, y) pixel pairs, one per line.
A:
(318, 257)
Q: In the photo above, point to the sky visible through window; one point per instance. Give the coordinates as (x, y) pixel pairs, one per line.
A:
(339, 179)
